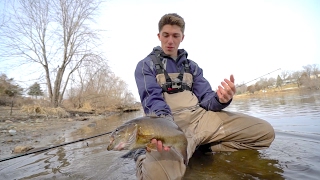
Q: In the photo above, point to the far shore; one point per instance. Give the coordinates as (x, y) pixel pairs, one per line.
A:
(273, 92)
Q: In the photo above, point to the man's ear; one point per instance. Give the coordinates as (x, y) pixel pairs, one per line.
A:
(158, 36)
(182, 38)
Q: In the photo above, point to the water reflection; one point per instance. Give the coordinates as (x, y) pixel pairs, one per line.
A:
(295, 117)
(248, 164)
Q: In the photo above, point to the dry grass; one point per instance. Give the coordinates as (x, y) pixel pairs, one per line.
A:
(270, 92)
(46, 111)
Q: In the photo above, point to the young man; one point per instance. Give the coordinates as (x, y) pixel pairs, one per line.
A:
(171, 85)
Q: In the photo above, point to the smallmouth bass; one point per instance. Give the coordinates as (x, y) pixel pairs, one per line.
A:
(138, 133)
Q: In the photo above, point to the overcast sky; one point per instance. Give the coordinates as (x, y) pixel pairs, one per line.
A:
(247, 38)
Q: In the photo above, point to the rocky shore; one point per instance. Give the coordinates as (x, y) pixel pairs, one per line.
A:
(21, 132)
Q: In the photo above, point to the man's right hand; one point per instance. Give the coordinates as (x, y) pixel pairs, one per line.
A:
(159, 146)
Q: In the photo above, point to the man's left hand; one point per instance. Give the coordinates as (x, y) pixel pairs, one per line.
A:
(226, 90)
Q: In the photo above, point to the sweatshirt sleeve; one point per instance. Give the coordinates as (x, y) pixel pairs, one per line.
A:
(208, 98)
(149, 90)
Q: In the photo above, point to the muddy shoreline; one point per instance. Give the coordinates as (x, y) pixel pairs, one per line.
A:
(20, 132)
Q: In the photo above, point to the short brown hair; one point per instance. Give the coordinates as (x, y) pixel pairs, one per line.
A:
(172, 19)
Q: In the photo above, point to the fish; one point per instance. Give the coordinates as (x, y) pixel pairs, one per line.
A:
(138, 133)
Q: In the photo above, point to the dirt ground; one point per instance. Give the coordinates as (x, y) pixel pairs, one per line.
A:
(21, 132)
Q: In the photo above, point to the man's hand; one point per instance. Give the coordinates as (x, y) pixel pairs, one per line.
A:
(159, 146)
(227, 90)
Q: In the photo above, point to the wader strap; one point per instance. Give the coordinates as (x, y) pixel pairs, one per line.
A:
(170, 86)
(159, 67)
(180, 76)
(186, 67)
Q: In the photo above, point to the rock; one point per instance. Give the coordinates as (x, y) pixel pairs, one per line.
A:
(82, 119)
(9, 140)
(70, 119)
(39, 120)
(8, 121)
(12, 132)
(22, 149)
(92, 125)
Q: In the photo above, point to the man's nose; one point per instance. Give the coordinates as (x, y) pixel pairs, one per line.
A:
(170, 40)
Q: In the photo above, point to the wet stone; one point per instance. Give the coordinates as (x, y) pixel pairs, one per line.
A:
(92, 125)
(12, 132)
(3, 131)
(3, 128)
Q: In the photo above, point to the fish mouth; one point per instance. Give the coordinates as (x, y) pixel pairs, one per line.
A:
(110, 146)
(124, 144)
(120, 146)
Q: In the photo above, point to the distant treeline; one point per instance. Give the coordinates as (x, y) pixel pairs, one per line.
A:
(308, 77)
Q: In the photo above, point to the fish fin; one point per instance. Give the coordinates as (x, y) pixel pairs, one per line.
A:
(133, 139)
(185, 156)
(183, 152)
(152, 146)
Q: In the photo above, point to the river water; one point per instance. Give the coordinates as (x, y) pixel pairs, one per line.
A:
(294, 154)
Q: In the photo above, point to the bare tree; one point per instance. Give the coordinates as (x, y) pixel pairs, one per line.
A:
(3, 14)
(242, 88)
(296, 77)
(98, 88)
(284, 74)
(271, 82)
(307, 70)
(251, 89)
(54, 34)
(315, 70)
(279, 82)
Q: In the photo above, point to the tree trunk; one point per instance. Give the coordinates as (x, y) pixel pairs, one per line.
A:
(57, 85)
(11, 106)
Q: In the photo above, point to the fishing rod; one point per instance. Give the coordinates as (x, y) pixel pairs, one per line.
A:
(258, 77)
(59, 145)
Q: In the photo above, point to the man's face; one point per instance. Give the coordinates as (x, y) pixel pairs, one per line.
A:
(170, 36)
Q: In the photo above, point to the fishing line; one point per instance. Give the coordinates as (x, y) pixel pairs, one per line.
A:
(244, 83)
(59, 145)
(258, 77)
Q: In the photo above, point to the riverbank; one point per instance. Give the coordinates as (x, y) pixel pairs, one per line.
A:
(273, 92)
(22, 132)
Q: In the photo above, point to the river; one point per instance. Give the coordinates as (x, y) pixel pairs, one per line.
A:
(294, 154)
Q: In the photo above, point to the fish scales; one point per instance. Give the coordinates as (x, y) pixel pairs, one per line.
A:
(138, 133)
